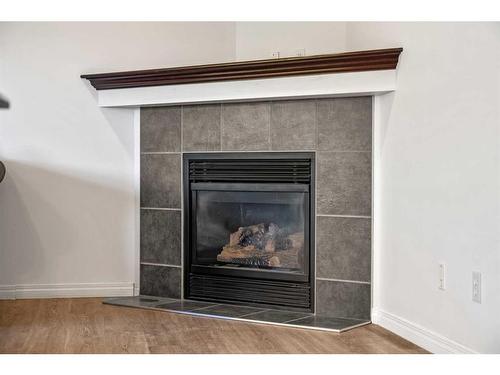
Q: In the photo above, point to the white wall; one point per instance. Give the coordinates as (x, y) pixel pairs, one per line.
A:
(67, 204)
(258, 40)
(439, 192)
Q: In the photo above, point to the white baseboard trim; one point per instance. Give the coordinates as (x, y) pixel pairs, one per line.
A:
(66, 290)
(431, 341)
(7, 291)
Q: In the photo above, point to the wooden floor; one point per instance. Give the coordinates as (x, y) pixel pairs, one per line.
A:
(85, 325)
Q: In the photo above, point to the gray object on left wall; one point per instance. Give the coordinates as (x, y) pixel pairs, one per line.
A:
(2, 171)
(3, 104)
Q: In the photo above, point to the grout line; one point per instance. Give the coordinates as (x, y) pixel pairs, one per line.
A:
(293, 320)
(181, 171)
(345, 151)
(344, 281)
(160, 264)
(347, 318)
(253, 313)
(270, 125)
(347, 216)
(366, 151)
(182, 128)
(161, 209)
(315, 165)
(316, 130)
(269, 119)
(205, 307)
(221, 125)
(161, 152)
(246, 151)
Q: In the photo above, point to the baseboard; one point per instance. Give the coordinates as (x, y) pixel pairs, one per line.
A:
(66, 290)
(7, 291)
(431, 341)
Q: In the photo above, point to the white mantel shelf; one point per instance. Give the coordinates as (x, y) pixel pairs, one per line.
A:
(371, 72)
(323, 85)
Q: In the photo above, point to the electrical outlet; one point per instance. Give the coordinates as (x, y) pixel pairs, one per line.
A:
(476, 287)
(275, 55)
(442, 270)
(300, 52)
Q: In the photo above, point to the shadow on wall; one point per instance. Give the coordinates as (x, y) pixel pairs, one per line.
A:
(62, 228)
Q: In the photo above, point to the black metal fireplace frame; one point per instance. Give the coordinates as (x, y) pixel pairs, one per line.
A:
(306, 278)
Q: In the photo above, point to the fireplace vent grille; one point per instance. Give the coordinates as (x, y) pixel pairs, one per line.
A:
(230, 289)
(251, 170)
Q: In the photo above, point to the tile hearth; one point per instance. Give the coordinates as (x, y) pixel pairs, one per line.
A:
(240, 313)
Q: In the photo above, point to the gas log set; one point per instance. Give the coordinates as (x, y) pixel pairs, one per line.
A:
(264, 245)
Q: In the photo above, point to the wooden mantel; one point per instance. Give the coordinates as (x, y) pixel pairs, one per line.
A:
(382, 59)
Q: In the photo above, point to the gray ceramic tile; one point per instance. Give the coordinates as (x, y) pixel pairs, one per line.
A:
(185, 305)
(293, 125)
(161, 180)
(245, 126)
(276, 316)
(344, 183)
(161, 236)
(161, 129)
(138, 301)
(161, 281)
(344, 300)
(201, 127)
(232, 311)
(343, 248)
(328, 322)
(345, 124)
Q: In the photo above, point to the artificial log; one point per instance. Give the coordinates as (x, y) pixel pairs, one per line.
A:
(264, 246)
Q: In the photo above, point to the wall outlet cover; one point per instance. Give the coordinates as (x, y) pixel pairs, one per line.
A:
(442, 270)
(476, 287)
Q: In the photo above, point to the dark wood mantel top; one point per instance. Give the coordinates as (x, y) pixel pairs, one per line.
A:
(382, 59)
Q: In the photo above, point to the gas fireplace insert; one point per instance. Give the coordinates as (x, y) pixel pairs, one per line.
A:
(249, 228)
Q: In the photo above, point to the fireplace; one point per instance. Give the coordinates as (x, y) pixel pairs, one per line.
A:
(249, 228)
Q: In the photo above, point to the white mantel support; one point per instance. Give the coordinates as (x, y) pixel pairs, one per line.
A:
(325, 85)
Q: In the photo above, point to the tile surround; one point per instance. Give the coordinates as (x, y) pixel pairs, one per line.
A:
(161, 281)
(345, 124)
(338, 129)
(293, 125)
(161, 180)
(161, 236)
(201, 127)
(343, 299)
(161, 129)
(344, 183)
(246, 126)
(343, 248)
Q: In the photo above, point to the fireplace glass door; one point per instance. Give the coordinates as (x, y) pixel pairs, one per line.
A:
(250, 227)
